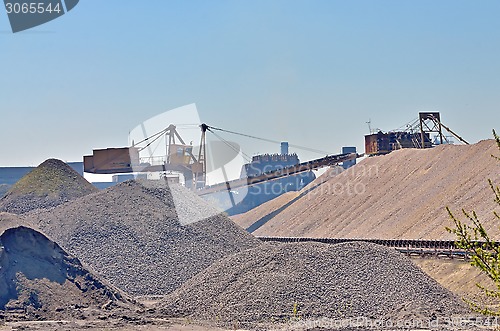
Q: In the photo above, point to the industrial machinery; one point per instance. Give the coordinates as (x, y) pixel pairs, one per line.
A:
(263, 178)
(416, 135)
(180, 157)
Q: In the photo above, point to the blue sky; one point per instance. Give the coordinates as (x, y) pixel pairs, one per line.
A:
(310, 72)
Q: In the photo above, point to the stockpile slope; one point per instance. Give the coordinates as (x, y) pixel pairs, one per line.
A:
(267, 210)
(399, 195)
(50, 184)
(144, 237)
(40, 281)
(312, 280)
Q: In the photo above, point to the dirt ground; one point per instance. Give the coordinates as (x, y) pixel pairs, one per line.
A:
(156, 325)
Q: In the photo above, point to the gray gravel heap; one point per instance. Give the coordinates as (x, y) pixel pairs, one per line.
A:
(347, 280)
(50, 184)
(8, 220)
(130, 234)
(38, 280)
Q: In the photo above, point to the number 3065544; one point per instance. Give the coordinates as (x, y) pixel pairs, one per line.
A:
(31, 8)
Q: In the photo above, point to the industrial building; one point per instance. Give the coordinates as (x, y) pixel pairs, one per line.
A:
(418, 134)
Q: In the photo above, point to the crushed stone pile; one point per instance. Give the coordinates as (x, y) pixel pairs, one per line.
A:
(132, 236)
(278, 282)
(399, 195)
(10, 220)
(50, 184)
(40, 281)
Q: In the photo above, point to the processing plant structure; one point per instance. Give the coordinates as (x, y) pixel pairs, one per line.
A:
(425, 132)
(266, 176)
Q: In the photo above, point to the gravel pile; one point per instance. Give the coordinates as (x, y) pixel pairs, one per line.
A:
(399, 195)
(10, 220)
(278, 282)
(50, 184)
(131, 235)
(40, 281)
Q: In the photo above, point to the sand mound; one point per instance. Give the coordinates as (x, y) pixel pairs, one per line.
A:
(269, 209)
(38, 280)
(265, 211)
(131, 235)
(399, 195)
(50, 184)
(333, 281)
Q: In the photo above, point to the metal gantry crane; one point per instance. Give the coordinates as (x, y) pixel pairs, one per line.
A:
(431, 123)
(182, 158)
